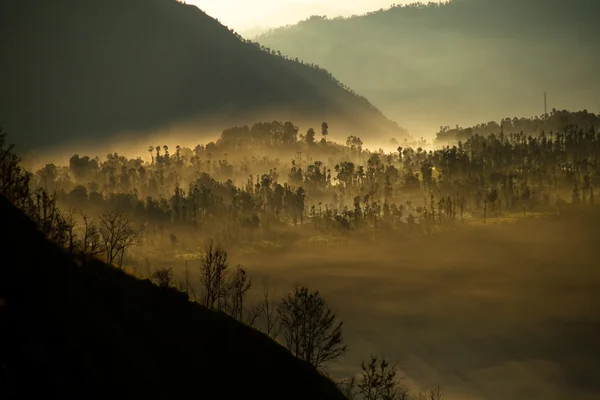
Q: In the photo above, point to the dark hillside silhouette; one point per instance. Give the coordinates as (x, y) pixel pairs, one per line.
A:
(89, 69)
(464, 61)
(92, 331)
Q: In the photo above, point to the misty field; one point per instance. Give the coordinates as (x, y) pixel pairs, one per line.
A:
(497, 312)
(472, 265)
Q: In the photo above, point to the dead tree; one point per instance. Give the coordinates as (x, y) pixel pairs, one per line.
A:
(269, 311)
(379, 381)
(69, 225)
(431, 394)
(90, 237)
(117, 236)
(238, 286)
(213, 275)
(348, 387)
(309, 327)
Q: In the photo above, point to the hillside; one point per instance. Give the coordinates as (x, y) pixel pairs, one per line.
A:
(92, 331)
(556, 122)
(75, 70)
(460, 62)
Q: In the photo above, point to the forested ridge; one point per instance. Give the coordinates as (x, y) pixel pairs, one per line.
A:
(87, 71)
(462, 60)
(255, 183)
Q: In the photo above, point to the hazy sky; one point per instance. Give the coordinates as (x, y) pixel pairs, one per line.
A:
(246, 14)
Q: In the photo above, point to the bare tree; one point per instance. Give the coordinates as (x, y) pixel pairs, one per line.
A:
(348, 387)
(238, 286)
(431, 394)
(269, 308)
(309, 327)
(90, 237)
(69, 225)
(378, 381)
(48, 217)
(213, 275)
(38, 205)
(117, 235)
(253, 314)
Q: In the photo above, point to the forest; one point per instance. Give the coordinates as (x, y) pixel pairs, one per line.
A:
(185, 210)
(270, 184)
(268, 193)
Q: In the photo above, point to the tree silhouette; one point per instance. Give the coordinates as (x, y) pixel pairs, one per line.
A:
(117, 236)
(324, 130)
(378, 381)
(163, 277)
(271, 317)
(213, 275)
(309, 327)
(14, 180)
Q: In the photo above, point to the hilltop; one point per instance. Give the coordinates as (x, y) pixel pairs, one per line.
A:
(78, 70)
(461, 62)
(92, 331)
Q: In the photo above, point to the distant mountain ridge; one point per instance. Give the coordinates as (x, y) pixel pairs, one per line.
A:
(461, 62)
(90, 69)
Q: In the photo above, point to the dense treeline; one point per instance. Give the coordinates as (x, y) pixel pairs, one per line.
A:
(267, 182)
(555, 121)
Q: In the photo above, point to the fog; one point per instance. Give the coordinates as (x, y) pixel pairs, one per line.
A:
(466, 265)
(488, 313)
(467, 256)
(459, 63)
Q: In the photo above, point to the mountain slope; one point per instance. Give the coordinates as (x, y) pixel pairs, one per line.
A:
(460, 62)
(89, 69)
(92, 331)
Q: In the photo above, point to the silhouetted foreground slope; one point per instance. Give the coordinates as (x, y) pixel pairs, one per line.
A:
(74, 69)
(95, 332)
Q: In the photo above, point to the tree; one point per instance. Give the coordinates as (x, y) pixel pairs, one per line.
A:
(431, 394)
(163, 277)
(238, 287)
(324, 130)
(309, 327)
(348, 387)
(117, 235)
(225, 291)
(90, 237)
(310, 136)
(151, 151)
(269, 311)
(378, 381)
(14, 180)
(213, 275)
(492, 197)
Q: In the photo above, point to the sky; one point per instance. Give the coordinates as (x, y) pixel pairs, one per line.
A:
(243, 15)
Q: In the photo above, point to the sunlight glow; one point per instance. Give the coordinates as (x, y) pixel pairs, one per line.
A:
(243, 15)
